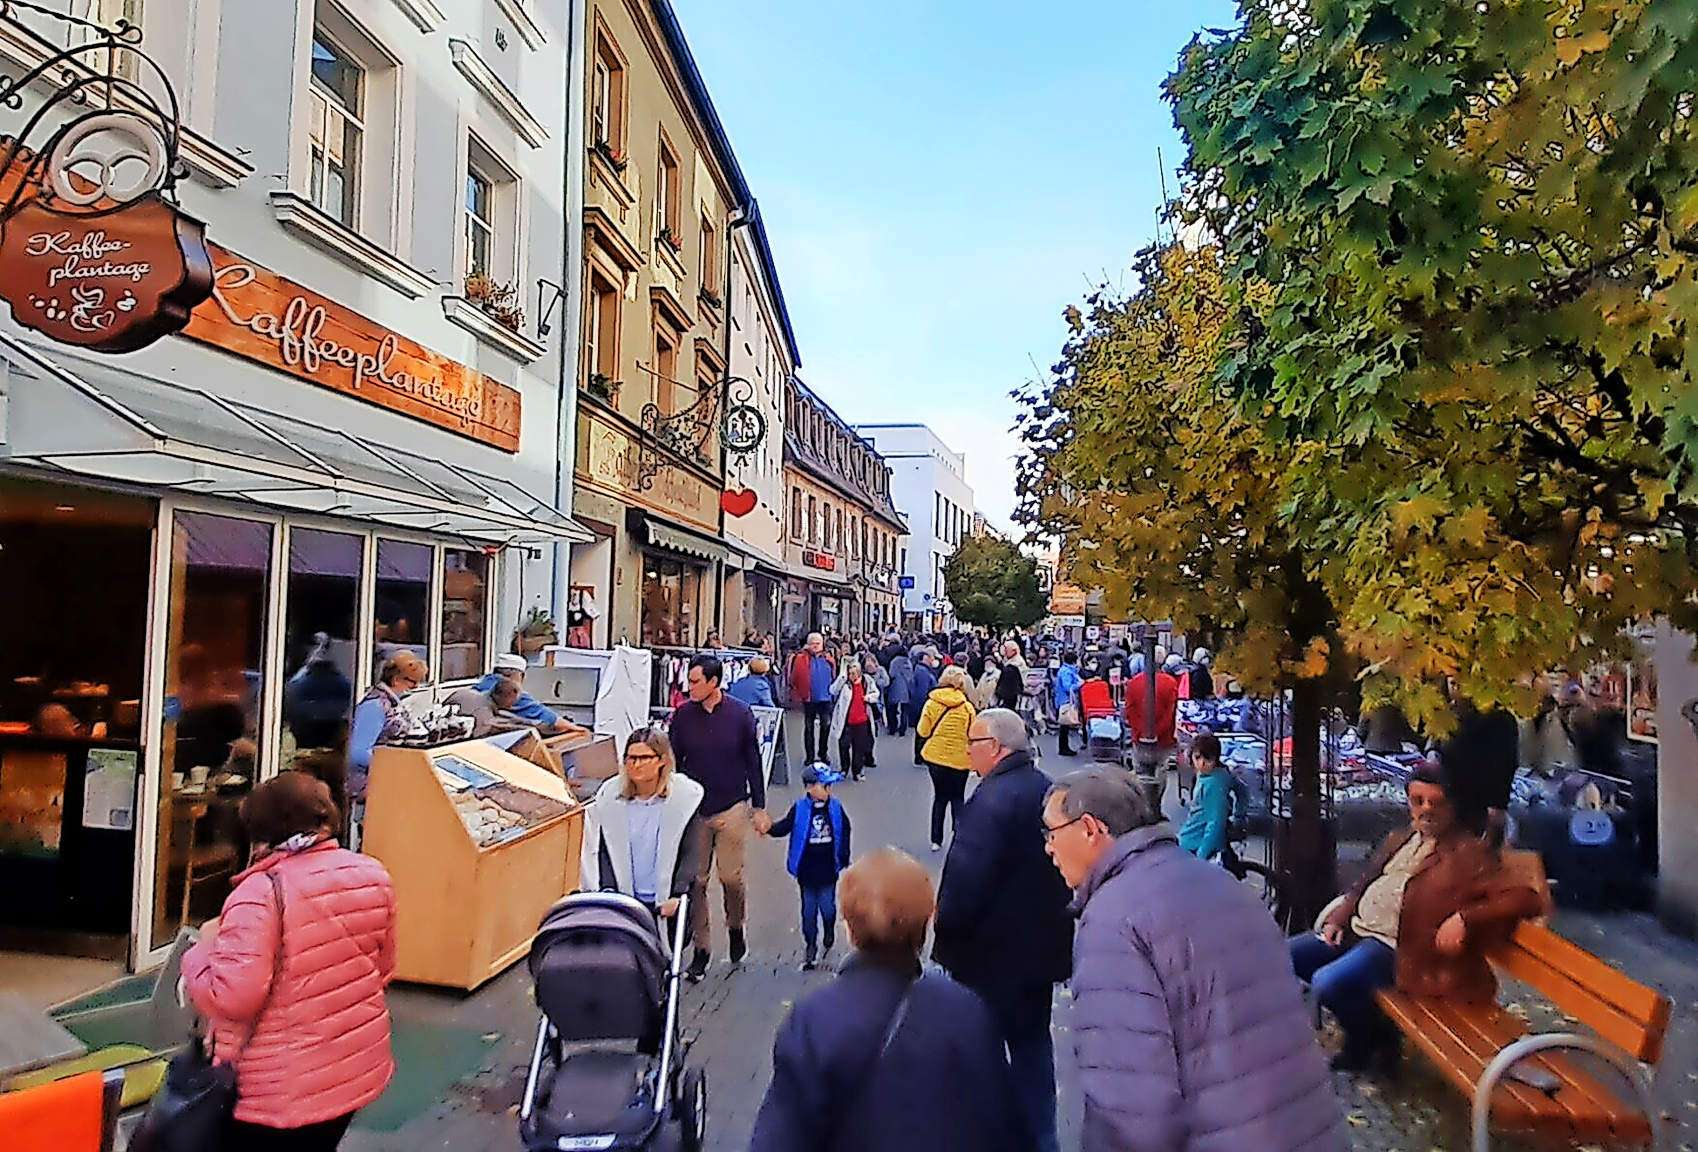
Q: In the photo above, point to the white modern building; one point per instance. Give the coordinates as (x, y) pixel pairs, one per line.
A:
(929, 482)
(210, 544)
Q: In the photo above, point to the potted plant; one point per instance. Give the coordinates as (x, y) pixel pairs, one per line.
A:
(671, 239)
(479, 288)
(536, 632)
(509, 315)
(602, 386)
(614, 157)
(710, 297)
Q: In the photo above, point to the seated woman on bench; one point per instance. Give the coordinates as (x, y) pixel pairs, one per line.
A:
(1432, 899)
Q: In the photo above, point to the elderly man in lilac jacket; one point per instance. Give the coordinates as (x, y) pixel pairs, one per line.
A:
(1191, 1031)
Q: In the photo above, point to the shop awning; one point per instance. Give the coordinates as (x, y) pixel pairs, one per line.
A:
(105, 422)
(673, 538)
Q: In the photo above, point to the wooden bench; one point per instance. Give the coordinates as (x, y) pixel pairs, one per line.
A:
(1478, 1047)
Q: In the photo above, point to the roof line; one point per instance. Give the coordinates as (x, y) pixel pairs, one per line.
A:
(697, 89)
(769, 269)
(678, 44)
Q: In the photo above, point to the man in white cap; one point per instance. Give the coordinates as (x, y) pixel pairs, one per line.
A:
(528, 708)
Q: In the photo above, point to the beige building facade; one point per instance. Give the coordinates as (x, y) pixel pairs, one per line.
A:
(841, 526)
(662, 193)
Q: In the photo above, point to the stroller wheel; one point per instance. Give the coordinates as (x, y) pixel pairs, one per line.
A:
(692, 1108)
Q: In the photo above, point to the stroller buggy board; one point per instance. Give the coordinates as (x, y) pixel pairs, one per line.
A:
(609, 1073)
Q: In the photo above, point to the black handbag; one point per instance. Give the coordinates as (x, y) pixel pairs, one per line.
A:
(192, 1109)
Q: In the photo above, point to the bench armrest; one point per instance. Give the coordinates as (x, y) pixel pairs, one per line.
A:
(1527, 1046)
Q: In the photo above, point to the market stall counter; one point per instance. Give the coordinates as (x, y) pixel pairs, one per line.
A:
(480, 843)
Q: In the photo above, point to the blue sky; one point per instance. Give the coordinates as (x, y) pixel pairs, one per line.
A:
(940, 178)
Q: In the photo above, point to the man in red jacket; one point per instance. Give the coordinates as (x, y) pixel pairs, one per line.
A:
(1167, 705)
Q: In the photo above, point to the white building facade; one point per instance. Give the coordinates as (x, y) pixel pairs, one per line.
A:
(353, 449)
(929, 483)
(763, 358)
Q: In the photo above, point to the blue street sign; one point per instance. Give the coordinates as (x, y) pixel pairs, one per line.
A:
(906, 583)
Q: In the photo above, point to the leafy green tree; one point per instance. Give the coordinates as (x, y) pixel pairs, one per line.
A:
(1165, 496)
(1479, 227)
(992, 584)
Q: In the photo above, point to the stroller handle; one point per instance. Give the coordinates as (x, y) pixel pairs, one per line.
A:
(675, 978)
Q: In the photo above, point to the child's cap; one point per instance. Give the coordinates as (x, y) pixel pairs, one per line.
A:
(820, 774)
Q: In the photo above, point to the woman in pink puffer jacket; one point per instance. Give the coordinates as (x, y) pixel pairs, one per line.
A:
(319, 1046)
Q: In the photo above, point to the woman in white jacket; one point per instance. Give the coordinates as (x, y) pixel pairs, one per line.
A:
(641, 835)
(852, 718)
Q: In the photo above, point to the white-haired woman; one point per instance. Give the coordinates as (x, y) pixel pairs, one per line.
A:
(640, 834)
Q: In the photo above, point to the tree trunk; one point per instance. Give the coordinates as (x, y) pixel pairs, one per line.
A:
(1308, 857)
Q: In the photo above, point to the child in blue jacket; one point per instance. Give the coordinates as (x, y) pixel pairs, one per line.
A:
(818, 828)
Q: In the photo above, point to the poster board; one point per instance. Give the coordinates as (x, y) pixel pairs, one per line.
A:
(769, 725)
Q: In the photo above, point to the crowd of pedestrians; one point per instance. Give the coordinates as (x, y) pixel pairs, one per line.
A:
(1187, 1022)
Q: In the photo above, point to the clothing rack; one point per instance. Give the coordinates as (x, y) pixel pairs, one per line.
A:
(670, 672)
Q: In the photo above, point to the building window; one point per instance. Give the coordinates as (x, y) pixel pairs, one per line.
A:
(841, 546)
(480, 222)
(813, 520)
(491, 216)
(465, 583)
(666, 368)
(107, 14)
(796, 513)
(607, 96)
(666, 196)
(825, 533)
(937, 515)
(601, 331)
(338, 129)
(710, 258)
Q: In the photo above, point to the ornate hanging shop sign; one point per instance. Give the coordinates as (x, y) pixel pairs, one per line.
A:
(93, 248)
(745, 425)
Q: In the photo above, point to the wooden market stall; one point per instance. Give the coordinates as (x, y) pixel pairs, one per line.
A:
(480, 844)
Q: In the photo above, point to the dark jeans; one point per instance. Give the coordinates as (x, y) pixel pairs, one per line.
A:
(949, 791)
(1344, 979)
(321, 1137)
(855, 751)
(819, 907)
(1024, 1022)
(1062, 734)
(816, 732)
(896, 718)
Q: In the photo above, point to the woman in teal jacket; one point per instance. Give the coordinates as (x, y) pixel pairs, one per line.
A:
(1207, 826)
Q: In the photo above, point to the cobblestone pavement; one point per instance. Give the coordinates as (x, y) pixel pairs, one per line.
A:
(736, 1010)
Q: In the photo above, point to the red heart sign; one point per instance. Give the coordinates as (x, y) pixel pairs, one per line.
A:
(738, 503)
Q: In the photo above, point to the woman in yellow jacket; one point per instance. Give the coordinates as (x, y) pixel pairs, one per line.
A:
(943, 732)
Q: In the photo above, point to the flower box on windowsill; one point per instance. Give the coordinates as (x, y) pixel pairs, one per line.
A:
(672, 241)
(602, 388)
(614, 158)
(711, 298)
(491, 331)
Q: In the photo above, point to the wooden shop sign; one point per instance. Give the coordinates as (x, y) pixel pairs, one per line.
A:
(258, 315)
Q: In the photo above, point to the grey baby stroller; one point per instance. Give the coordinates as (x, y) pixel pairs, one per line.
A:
(609, 1069)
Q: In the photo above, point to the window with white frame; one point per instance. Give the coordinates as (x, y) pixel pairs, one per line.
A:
(480, 221)
(338, 129)
(110, 15)
(490, 215)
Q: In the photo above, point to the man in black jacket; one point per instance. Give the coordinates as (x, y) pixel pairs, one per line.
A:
(1003, 925)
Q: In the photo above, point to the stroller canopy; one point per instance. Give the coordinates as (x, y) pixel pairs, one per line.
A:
(600, 969)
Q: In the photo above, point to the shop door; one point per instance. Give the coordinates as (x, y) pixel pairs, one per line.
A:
(218, 606)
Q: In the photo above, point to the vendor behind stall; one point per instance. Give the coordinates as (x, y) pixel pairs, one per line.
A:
(491, 711)
(528, 708)
(380, 718)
